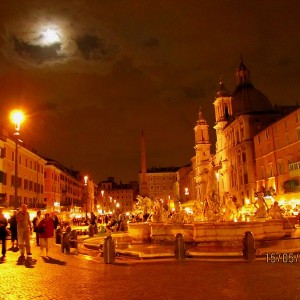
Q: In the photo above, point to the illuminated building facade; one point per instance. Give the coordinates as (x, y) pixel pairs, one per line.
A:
(116, 198)
(277, 152)
(239, 117)
(64, 188)
(30, 174)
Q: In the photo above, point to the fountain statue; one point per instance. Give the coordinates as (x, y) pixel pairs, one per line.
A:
(262, 207)
(276, 212)
(228, 208)
(211, 208)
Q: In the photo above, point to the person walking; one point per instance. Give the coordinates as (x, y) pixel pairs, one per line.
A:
(13, 227)
(46, 228)
(3, 233)
(35, 222)
(24, 231)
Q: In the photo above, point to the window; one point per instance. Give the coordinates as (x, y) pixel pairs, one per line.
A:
(3, 178)
(242, 133)
(267, 133)
(287, 139)
(25, 184)
(258, 139)
(271, 173)
(2, 152)
(298, 133)
(245, 178)
(244, 156)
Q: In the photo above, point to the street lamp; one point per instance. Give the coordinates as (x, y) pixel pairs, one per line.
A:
(17, 117)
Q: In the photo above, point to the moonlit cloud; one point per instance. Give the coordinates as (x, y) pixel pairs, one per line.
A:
(36, 53)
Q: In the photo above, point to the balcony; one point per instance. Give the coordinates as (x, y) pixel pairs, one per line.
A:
(294, 169)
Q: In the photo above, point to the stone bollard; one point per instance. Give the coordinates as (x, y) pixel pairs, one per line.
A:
(109, 250)
(179, 246)
(249, 246)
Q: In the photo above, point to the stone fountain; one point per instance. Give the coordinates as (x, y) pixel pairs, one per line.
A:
(215, 221)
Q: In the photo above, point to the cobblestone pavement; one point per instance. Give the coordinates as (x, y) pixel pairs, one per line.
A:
(87, 277)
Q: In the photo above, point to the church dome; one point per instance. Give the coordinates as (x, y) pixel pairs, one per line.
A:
(246, 98)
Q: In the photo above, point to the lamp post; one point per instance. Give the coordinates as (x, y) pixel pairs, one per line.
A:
(86, 194)
(218, 178)
(186, 192)
(17, 117)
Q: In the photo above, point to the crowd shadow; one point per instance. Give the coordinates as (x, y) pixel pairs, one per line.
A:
(50, 260)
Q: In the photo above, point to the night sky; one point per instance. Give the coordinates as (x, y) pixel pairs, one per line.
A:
(91, 75)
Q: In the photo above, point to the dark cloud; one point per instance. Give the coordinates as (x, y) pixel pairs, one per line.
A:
(37, 53)
(152, 42)
(195, 92)
(94, 48)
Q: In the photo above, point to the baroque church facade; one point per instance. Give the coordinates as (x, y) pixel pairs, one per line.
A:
(239, 116)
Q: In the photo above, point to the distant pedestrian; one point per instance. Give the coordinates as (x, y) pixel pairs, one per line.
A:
(24, 231)
(47, 226)
(3, 233)
(13, 227)
(35, 222)
(55, 221)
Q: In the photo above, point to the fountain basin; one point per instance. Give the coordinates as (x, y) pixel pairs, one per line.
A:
(139, 232)
(209, 231)
(166, 232)
(235, 231)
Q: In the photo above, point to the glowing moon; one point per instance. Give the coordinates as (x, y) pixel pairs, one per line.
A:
(50, 36)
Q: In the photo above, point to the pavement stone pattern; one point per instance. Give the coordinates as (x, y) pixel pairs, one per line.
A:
(86, 276)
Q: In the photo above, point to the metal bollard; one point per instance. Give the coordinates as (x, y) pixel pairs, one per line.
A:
(58, 236)
(109, 250)
(249, 246)
(179, 246)
(73, 239)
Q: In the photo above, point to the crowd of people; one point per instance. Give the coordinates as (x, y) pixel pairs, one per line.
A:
(20, 228)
